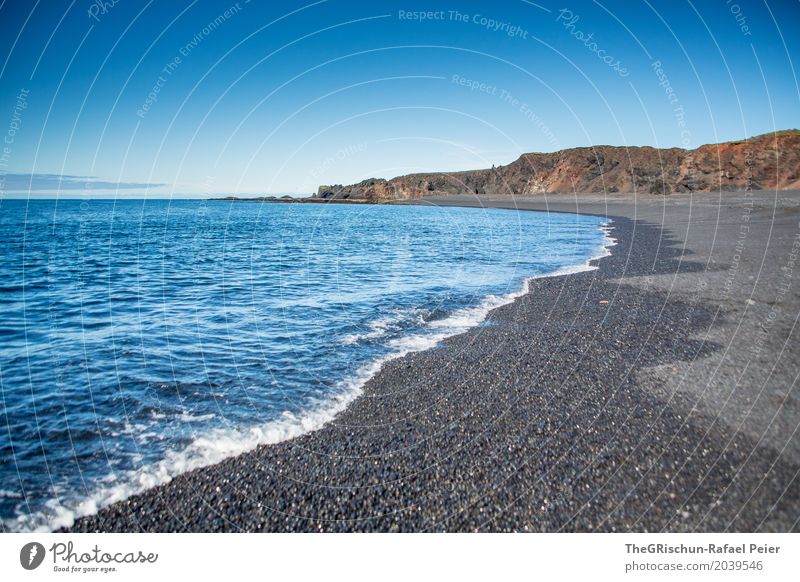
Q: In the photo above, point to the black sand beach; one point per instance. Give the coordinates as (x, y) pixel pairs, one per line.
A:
(673, 407)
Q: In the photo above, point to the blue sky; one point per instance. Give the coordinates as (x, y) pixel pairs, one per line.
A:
(193, 98)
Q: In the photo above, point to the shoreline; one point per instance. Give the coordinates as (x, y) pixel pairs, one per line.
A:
(277, 431)
(280, 430)
(395, 458)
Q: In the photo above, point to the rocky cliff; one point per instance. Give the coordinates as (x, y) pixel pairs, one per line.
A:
(770, 161)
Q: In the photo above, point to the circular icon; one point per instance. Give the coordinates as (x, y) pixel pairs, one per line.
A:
(31, 555)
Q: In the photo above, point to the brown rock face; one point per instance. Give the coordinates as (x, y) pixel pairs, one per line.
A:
(770, 161)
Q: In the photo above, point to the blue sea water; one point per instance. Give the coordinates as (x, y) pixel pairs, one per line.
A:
(140, 339)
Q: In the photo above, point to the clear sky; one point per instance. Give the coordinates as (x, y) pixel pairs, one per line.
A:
(170, 98)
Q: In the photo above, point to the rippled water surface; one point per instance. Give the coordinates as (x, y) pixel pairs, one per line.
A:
(140, 339)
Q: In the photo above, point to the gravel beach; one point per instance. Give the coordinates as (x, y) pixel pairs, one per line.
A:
(672, 407)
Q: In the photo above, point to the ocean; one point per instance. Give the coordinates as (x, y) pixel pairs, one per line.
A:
(140, 339)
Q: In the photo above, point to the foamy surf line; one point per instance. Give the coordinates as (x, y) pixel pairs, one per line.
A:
(221, 444)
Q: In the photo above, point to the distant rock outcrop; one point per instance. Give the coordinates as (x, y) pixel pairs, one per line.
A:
(769, 161)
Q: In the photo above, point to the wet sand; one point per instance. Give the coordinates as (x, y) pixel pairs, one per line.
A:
(672, 407)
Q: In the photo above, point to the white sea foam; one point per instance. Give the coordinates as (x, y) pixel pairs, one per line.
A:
(186, 417)
(209, 449)
(604, 250)
(220, 444)
(382, 326)
(377, 328)
(463, 319)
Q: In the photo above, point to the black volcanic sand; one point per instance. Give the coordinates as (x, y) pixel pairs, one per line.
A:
(653, 412)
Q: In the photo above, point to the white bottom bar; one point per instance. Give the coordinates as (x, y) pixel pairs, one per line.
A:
(232, 557)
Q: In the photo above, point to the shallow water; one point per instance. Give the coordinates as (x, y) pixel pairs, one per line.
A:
(140, 339)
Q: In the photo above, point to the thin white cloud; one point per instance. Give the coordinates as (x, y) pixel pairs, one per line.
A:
(57, 182)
